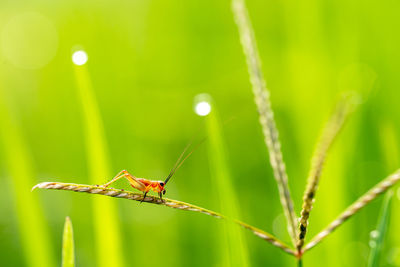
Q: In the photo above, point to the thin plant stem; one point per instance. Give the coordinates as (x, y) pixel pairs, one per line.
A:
(261, 96)
(327, 138)
(300, 263)
(120, 193)
(373, 193)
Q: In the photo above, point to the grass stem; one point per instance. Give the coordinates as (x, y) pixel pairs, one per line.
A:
(118, 193)
(329, 134)
(261, 96)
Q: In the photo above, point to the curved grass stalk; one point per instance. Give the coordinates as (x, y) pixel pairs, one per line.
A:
(261, 96)
(329, 134)
(373, 193)
(120, 193)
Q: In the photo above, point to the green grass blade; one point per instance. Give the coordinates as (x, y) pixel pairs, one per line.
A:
(378, 236)
(106, 226)
(390, 145)
(34, 236)
(119, 193)
(68, 254)
(233, 238)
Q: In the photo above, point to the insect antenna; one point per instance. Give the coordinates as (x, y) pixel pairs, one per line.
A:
(179, 163)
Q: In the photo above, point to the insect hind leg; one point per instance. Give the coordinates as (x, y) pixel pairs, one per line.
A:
(132, 180)
(120, 175)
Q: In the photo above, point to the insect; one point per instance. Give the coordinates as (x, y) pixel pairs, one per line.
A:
(146, 185)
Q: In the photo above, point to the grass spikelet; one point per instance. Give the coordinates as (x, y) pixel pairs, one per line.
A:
(327, 138)
(119, 193)
(373, 193)
(266, 115)
(68, 253)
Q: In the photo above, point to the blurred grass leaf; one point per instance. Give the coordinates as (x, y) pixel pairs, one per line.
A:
(68, 254)
(31, 222)
(233, 239)
(378, 235)
(105, 219)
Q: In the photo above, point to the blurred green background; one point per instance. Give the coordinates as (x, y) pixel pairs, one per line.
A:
(147, 62)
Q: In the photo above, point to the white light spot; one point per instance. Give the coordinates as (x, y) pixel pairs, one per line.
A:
(203, 108)
(79, 57)
(374, 234)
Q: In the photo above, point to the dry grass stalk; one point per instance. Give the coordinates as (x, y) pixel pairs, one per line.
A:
(355, 207)
(120, 193)
(328, 136)
(266, 114)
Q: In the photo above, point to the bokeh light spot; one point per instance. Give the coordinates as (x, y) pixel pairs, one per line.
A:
(374, 234)
(79, 57)
(203, 108)
(29, 40)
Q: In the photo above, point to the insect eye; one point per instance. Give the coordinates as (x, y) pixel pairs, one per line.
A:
(162, 184)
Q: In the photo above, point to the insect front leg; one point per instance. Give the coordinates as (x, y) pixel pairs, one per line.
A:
(144, 196)
(160, 195)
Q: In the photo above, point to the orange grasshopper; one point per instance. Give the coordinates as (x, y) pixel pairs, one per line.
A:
(146, 185)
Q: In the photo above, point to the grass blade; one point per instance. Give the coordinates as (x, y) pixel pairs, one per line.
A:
(378, 236)
(119, 193)
(373, 193)
(237, 253)
(35, 239)
(329, 134)
(105, 219)
(390, 145)
(68, 254)
(261, 95)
